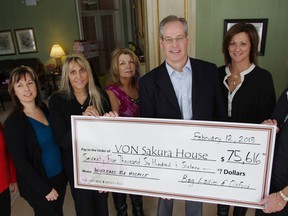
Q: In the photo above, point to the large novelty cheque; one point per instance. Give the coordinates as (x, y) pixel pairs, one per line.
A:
(213, 162)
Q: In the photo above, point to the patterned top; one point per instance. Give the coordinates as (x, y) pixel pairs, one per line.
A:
(128, 106)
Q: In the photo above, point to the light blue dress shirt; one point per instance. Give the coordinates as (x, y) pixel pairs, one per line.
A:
(182, 84)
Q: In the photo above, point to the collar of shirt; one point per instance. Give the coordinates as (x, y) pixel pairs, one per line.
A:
(231, 94)
(182, 84)
(186, 66)
(242, 74)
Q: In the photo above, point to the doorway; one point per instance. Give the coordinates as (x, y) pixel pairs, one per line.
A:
(112, 23)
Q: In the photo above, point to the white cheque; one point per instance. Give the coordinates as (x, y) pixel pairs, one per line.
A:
(213, 162)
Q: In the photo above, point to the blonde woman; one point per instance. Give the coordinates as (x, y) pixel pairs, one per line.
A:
(78, 95)
(123, 94)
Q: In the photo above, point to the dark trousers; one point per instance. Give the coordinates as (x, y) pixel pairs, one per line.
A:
(121, 205)
(5, 203)
(52, 208)
(165, 208)
(86, 202)
(223, 210)
(89, 202)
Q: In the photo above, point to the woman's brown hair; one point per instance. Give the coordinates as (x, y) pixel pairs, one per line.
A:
(15, 76)
(253, 36)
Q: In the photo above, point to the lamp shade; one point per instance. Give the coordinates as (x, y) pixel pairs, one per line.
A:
(57, 51)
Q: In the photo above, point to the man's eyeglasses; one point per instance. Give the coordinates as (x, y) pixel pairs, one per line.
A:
(178, 39)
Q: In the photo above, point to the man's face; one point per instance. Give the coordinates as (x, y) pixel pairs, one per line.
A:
(174, 43)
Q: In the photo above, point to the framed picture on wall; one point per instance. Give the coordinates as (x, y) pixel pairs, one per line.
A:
(26, 40)
(260, 25)
(6, 43)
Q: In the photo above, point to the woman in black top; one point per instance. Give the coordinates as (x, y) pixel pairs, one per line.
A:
(78, 95)
(276, 203)
(248, 90)
(32, 145)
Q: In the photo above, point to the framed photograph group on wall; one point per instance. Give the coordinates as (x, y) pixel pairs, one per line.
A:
(6, 43)
(26, 40)
(260, 25)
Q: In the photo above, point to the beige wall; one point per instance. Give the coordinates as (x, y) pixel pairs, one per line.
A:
(210, 21)
(55, 21)
(156, 10)
(206, 23)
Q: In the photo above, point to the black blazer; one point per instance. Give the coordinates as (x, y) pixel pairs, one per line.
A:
(61, 108)
(279, 178)
(255, 99)
(26, 153)
(158, 98)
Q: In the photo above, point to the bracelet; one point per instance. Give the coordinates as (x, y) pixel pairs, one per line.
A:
(279, 203)
(284, 197)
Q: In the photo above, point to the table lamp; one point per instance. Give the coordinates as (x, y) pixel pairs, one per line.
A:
(57, 52)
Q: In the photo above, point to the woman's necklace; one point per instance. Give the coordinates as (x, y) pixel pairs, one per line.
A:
(234, 80)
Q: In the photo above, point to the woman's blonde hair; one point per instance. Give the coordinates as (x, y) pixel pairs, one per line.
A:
(114, 67)
(66, 88)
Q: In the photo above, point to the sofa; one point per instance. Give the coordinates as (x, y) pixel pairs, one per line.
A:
(6, 66)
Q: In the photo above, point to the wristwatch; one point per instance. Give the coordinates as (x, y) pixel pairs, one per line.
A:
(284, 197)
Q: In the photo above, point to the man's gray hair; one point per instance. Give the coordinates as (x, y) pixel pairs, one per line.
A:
(173, 18)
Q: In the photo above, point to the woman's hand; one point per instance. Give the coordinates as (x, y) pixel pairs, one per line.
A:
(271, 122)
(111, 114)
(13, 187)
(273, 203)
(90, 111)
(52, 196)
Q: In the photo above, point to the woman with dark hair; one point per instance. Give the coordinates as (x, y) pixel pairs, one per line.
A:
(248, 90)
(78, 95)
(275, 204)
(123, 94)
(30, 140)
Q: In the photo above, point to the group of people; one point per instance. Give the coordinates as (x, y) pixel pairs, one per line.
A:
(39, 138)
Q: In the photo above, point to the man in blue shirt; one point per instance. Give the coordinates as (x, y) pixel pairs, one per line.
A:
(180, 88)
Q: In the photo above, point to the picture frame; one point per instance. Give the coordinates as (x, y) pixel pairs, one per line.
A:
(260, 25)
(26, 40)
(6, 43)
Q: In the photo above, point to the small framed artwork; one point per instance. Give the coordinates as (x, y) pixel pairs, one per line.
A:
(260, 25)
(26, 40)
(6, 43)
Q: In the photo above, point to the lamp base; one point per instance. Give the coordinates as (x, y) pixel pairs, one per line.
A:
(58, 62)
